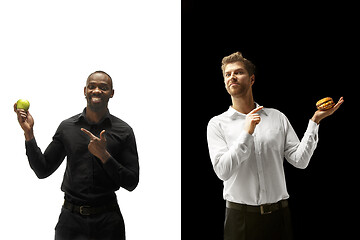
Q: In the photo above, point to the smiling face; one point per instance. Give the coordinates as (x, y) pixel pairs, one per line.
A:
(98, 91)
(238, 83)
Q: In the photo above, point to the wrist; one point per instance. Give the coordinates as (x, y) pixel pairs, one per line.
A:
(316, 119)
(29, 135)
(250, 132)
(105, 157)
(248, 129)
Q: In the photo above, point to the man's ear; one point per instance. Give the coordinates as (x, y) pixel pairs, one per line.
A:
(112, 93)
(252, 79)
(85, 91)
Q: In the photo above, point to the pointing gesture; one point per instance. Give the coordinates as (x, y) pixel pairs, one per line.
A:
(256, 110)
(97, 146)
(252, 119)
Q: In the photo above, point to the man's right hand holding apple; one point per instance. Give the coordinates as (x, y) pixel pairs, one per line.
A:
(26, 122)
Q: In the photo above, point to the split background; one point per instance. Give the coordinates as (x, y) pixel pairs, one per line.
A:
(47, 50)
(303, 52)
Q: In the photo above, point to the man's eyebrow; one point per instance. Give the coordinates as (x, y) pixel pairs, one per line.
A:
(98, 83)
(236, 69)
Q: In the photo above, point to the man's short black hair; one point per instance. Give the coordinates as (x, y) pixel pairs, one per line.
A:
(99, 71)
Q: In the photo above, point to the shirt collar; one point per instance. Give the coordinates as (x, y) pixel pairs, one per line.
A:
(82, 117)
(231, 112)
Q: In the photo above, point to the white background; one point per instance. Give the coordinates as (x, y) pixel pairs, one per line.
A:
(47, 50)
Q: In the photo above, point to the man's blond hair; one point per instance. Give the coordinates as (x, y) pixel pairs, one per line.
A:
(238, 57)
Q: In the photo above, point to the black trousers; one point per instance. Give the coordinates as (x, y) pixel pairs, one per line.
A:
(104, 226)
(242, 225)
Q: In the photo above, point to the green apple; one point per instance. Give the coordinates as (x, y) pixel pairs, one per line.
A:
(23, 104)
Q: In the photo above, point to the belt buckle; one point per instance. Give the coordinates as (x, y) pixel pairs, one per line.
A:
(266, 210)
(84, 212)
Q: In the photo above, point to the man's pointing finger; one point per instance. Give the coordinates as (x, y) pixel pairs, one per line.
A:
(256, 110)
(88, 133)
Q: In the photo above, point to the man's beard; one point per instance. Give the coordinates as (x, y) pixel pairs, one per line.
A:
(239, 92)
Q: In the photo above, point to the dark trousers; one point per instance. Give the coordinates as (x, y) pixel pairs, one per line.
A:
(104, 226)
(242, 225)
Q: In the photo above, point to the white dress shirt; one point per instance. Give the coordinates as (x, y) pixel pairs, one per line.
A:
(251, 166)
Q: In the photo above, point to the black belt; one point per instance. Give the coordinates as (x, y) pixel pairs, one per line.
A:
(89, 210)
(262, 209)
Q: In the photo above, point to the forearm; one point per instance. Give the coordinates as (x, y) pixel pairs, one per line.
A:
(44, 164)
(35, 157)
(125, 177)
(299, 153)
(227, 160)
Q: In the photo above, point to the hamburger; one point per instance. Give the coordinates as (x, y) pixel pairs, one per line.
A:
(325, 103)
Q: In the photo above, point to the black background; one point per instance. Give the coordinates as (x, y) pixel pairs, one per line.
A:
(303, 52)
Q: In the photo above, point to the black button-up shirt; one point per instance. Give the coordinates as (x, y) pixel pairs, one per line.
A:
(87, 180)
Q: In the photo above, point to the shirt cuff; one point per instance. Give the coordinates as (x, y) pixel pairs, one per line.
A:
(313, 127)
(244, 138)
(30, 143)
(111, 165)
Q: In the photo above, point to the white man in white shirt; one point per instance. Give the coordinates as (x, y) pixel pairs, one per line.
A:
(247, 146)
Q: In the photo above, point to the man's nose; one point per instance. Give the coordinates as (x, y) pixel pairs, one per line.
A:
(97, 90)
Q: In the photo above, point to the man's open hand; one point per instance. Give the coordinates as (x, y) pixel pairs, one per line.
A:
(97, 146)
(321, 114)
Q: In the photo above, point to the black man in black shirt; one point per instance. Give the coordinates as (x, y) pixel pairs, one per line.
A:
(101, 157)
